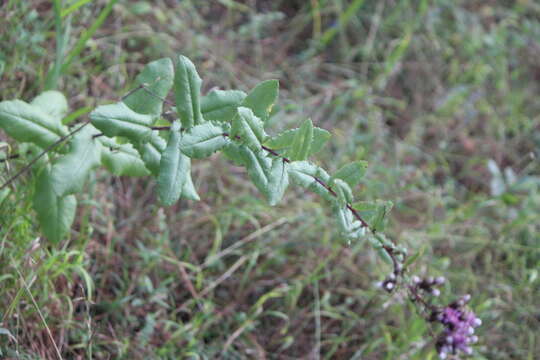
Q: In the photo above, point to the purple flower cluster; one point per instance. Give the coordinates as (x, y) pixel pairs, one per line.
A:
(459, 324)
(428, 285)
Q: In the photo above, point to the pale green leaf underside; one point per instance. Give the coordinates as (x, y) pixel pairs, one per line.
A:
(173, 169)
(350, 227)
(121, 159)
(55, 214)
(28, 123)
(69, 171)
(278, 180)
(301, 143)
(187, 89)
(157, 78)
(303, 173)
(203, 140)
(375, 212)
(220, 105)
(351, 173)
(262, 98)
(248, 129)
(188, 191)
(119, 120)
(284, 140)
(270, 175)
(150, 152)
(53, 103)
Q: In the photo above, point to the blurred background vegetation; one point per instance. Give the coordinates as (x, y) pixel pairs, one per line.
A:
(442, 97)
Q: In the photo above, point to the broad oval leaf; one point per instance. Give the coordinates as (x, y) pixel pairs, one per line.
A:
(203, 140)
(220, 105)
(248, 129)
(28, 123)
(53, 103)
(188, 191)
(278, 180)
(70, 171)
(151, 152)
(121, 159)
(173, 169)
(262, 98)
(301, 144)
(351, 173)
(258, 167)
(343, 192)
(187, 92)
(55, 214)
(119, 120)
(305, 174)
(374, 212)
(233, 152)
(350, 227)
(157, 79)
(284, 140)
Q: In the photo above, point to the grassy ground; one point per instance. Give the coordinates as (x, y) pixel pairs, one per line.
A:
(441, 97)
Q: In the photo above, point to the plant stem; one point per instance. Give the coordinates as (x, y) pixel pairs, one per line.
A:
(47, 149)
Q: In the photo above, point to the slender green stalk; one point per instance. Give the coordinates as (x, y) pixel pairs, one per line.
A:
(74, 7)
(54, 74)
(343, 20)
(86, 35)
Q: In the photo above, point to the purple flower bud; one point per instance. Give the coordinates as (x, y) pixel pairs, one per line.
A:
(435, 292)
(440, 280)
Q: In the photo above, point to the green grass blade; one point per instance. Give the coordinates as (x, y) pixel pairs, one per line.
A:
(81, 43)
(74, 7)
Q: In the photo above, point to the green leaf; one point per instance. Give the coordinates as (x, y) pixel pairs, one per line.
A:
(374, 212)
(258, 168)
(203, 140)
(411, 259)
(284, 140)
(301, 143)
(187, 89)
(188, 191)
(70, 171)
(304, 173)
(55, 214)
(350, 227)
(157, 78)
(351, 173)
(121, 159)
(262, 98)
(220, 105)
(278, 180)
(151, 152)
(248, 129)
(269, 175)
(119, 120)
(28, 123)
(53, 103)
(343, 192)
(233, 152)
(173, 169)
